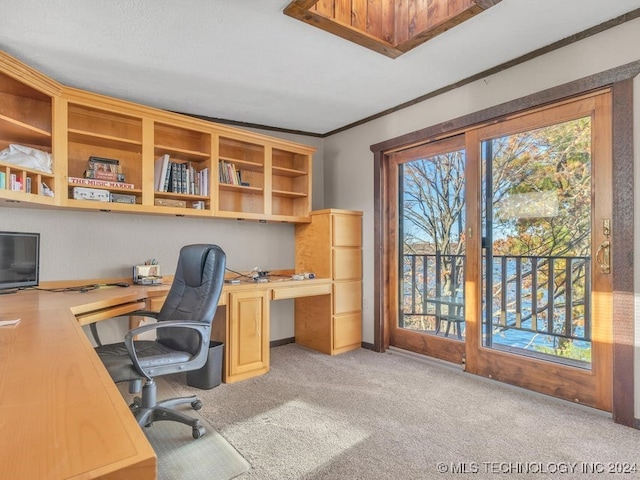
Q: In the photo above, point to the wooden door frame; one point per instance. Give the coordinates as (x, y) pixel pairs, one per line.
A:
(448, 349)
(620, 79)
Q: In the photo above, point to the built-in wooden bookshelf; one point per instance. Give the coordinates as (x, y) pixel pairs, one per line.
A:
(189, 152)
(248, 194)
(26, 115)
(97, 132)
(290, 183)
(271, 178)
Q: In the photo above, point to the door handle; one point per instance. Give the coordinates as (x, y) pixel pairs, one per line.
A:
(603, 256)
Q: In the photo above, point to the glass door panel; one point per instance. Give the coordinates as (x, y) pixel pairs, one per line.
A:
(431, 246)
(537, 193)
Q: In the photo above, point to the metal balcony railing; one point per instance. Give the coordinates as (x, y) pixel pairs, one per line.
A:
(549, 295)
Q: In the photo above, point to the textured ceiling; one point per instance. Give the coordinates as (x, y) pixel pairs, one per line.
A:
(245, 61)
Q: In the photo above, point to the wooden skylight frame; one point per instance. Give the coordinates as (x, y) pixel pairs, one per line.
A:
(389, 27)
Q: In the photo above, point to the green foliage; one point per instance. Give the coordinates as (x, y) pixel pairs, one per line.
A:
(550, 159)
(568, 350)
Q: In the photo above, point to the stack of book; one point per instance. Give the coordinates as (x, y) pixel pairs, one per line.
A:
(180, 177)
(108, 169)
(15, 182)
(229, 175)
(103, 172)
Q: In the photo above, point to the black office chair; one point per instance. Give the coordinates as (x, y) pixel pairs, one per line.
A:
(182, 344)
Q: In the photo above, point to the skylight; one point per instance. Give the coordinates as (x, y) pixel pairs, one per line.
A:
(389, 27)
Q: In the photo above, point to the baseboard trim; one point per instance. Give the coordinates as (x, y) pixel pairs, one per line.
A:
(286, 341)
(282, 341)
(368, 346)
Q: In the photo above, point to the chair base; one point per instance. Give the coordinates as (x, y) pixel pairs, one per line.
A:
(147, 409)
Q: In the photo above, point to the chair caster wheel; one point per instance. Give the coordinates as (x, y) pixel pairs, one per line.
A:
(196, 404)
(197, 432)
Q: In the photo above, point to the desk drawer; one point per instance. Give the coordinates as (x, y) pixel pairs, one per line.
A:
(347, 332)
(155, 303)
(110, 312)
(300, 291)
(347, 297)
(347, 263)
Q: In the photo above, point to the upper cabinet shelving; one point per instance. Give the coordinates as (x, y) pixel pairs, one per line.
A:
(290, 180)
(135, 158)
(241, 178)
(96, 133)
(26, 118)
(182, 170)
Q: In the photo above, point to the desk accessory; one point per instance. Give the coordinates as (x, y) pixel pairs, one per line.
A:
(148, 274)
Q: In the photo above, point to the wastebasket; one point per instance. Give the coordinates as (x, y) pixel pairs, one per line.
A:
(210, 375)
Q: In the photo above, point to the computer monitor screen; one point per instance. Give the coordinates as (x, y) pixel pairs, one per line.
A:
(19, 260)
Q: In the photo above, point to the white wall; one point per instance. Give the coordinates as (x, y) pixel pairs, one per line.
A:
(349, 161)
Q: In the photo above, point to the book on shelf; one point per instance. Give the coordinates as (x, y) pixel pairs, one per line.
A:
(102, 175)
(3, 180)
(160, 172)
(104, 167)
(101, 183)
(173, 187)
(15, 183)
(112, 161)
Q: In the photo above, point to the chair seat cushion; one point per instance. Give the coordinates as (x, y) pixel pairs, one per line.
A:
(150, 354)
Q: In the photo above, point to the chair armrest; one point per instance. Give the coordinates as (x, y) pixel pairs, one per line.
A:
(201, 327)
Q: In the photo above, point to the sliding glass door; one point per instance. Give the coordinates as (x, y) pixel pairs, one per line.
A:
(545, 280)
(499, 242)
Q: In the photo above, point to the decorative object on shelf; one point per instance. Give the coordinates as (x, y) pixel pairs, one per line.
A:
(82, 193)
(27, 157)
(99, 168)
(123, 198)
(169, 202)
(101, 183)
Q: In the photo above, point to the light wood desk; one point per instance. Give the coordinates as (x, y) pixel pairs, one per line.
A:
(61, 415)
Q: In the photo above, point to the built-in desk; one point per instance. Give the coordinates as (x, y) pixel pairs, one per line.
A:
(61, 415)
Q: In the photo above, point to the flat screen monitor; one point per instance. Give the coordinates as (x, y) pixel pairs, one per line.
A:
(19, 260)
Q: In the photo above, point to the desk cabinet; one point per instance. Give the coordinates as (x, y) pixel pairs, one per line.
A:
(331, 246)
(247, 354)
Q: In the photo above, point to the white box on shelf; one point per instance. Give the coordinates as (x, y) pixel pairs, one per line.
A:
(82, 193)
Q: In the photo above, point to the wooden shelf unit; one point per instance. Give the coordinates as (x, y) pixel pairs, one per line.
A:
(290, 176)
(26, 118)
(95, 131)
(248, 161)
(331, 246)
(74, 125)
(191, 148)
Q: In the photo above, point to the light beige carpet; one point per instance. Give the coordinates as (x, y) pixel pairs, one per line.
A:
(366, 415)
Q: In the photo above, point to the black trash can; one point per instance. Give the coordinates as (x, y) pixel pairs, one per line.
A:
(210, 375)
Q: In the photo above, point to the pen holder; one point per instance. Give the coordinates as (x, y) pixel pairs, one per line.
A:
(147, 275)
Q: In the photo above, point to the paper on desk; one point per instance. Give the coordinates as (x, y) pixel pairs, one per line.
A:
(4, 323)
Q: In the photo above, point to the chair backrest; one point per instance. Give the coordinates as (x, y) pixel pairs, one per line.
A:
(194, 294)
